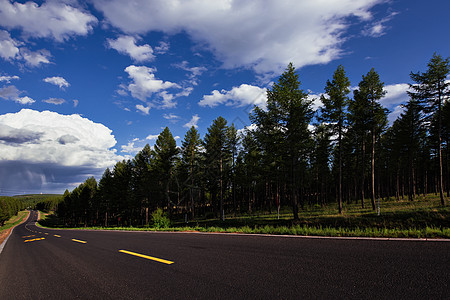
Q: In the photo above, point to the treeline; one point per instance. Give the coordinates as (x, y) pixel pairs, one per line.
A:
(344, 152)
(9, 207)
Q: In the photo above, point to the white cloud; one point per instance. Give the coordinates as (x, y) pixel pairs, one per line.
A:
(25, 100)
(58, 81)
(143, 109)
(47, 151)
(9, 48)
(398, 110)
(145, 83)
(127, 45)
(395, 94)
(53, 19)
(378, 28)
(55, 101)
(170, 116)
(35, 58)
(162, 48)
(75, 102)
(192, 122)
(8, 79)
(130, 148)
(12, 93)
(304, 32)
(238, 96)
(152, 137)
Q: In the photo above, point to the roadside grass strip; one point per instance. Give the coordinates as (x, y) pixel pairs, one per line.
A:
(33, 240)
(168, 262)
(79, 241)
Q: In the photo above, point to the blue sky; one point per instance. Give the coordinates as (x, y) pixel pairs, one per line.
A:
(84, 84)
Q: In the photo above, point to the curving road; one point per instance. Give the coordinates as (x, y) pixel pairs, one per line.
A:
(38, 263)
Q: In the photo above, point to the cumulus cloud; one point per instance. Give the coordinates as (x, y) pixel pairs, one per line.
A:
(55, 101)
(49, 151)
(152, 137)
(237, 32)
(143, 109)
(171, 116)
(395, 94)
(55, 19)
(127, 45)
(35, 58)
(58, 81)
(192, 122)
(10, 49)
(243, 95)
(145, 83)
(12, 93)
(8, 79)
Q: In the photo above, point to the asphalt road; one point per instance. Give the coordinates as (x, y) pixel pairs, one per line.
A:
(39, 263)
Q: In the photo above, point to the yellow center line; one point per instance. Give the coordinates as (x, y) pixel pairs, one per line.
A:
(38, 239)
(148, 257)
(78, 241)
(27, 236)
(56, 235)
(46, 233)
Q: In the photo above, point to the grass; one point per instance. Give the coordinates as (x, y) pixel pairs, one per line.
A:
(15, 220)
(422, 218)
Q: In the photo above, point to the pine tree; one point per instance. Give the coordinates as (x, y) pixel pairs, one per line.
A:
(288, 116)
(370, 89)
(166, 152)
(432, 89)
(216, 157)
(190, 151)
(334, 111)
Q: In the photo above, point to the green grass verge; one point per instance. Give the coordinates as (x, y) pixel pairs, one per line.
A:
(423, 218)
(15, 220)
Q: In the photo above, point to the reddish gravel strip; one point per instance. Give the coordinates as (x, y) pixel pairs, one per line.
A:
(5, 233)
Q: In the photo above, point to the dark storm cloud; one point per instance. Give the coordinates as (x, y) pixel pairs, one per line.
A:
(12, 135)
(18, 177)
(68, 139)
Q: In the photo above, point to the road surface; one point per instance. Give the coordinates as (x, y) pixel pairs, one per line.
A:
(38, 263)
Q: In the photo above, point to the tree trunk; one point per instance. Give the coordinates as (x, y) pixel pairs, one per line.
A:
(373, 169)
(363, 171)
(340, 169)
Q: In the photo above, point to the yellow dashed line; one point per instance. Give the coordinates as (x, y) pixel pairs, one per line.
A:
(168, 262)
(27, 236)
(38, 239)
(78, 241)
(57, 235)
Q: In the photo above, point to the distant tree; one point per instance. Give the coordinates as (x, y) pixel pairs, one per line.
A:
(232, 144)
(143, 182)
(432, 89)
(289, 114)
(334, 111)
(216, 157)
(370, 90)
(166, 152)
(190, 151)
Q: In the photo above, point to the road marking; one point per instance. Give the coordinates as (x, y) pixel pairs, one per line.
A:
(27, 236)
(46, 233)
(56, 235)
(78, 241)
(148, 257)
(38, 239)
